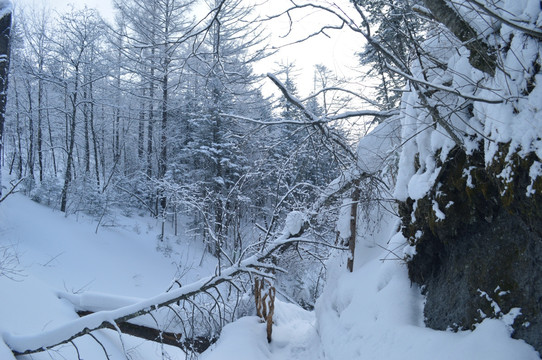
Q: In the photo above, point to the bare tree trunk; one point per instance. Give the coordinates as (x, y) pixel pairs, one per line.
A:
(162, 161)
(86, 131)
(51, 144)
(39, 140)
(19, 136)
(68, 173)
(141, 132)
(5, 37)
(30, 149)
(150, 125)
(94, 136)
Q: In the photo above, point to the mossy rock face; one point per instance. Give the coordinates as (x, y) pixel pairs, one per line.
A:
(486, 253)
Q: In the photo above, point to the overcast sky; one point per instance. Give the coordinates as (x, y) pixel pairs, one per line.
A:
(337, 52)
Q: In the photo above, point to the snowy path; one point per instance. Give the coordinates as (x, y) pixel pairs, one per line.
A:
(295, 334)
(294, 337)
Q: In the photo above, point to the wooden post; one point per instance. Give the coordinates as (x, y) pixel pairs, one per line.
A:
(353, 222)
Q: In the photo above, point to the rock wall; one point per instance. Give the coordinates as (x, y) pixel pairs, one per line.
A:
(478, 241)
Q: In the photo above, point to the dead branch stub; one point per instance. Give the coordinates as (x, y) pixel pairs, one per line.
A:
(265, 305)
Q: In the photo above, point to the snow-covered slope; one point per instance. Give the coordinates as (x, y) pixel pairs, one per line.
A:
(65, 255)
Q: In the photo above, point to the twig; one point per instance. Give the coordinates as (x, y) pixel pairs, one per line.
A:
(13, 187)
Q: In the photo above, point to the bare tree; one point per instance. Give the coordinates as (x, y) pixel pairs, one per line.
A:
(81, 30)
(5, 37)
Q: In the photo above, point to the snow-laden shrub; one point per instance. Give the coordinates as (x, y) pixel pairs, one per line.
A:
(47, 192)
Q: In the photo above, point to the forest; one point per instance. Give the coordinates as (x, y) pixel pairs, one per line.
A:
(406, 198)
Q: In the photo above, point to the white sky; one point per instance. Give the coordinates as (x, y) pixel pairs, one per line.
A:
(336, 53)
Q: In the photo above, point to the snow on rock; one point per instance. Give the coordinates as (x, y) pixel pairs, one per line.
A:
(375, 313)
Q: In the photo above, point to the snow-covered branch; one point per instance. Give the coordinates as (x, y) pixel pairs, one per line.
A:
(532, 31)
(482, 56)
(444, 88)
(322, 120)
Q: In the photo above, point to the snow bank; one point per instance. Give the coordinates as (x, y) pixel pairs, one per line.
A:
(294, 337)
(375, 313)
(245, 339)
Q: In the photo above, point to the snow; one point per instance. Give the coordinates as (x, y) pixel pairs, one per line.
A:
(345, 217)
(375, 147)
(245, 339)
(373, 313)
(438, 213)
(294, 223)
(6, 7)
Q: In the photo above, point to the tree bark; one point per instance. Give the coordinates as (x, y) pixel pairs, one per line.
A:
(40, 122)
(30, 163)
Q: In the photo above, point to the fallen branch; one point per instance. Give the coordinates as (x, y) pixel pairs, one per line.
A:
(43, 341)
(198, 344)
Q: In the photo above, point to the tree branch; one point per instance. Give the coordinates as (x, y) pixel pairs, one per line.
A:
(314, 120)
(534, 32)
(444, 88)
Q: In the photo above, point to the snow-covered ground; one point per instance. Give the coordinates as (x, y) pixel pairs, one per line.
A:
(373, 313)
(65, 255)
